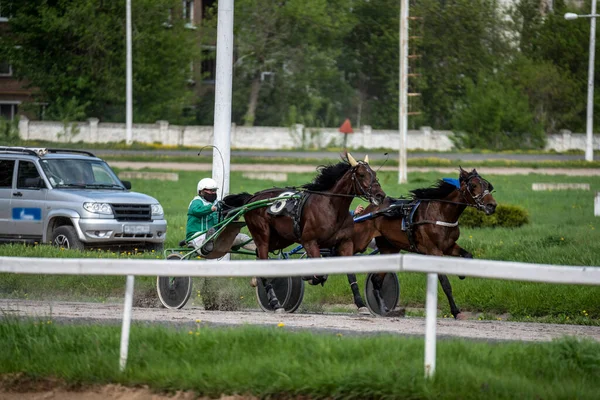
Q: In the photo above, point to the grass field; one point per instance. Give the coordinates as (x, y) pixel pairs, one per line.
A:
(562, 231)
(276, 363)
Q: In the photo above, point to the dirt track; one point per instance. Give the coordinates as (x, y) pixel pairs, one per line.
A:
(348, 323)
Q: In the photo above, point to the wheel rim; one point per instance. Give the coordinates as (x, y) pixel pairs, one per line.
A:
(62, 241)
(174, 291)
(390, 291)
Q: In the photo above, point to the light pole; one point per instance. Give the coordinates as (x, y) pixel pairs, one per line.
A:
(129, 77)
(589, 143)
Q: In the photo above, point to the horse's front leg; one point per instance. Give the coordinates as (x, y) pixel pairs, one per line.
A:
(446, 287)
(347, 249)
(458, 251)
(313, 251)
(445, 282)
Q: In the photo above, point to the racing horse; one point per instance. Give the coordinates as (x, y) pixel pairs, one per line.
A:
(427, 223)
(320, 218)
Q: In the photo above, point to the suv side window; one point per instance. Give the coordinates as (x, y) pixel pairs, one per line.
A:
(26, 175)
(7, 168)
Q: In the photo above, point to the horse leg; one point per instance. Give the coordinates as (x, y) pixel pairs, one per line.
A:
(458, 251)
(346, 248)
(445, 282)
(360, 304)
(377, 280)
(313, 251)
(262, 250)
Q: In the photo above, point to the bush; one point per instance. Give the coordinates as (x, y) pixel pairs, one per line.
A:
(9, 132)
(506, 216)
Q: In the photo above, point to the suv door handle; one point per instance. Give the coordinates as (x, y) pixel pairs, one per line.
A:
(17, 194)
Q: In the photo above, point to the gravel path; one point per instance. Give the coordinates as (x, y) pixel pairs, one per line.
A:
(342, 323)
(173, 166)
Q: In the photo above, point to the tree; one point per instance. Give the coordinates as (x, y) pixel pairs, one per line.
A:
(494, 115)
(286, 57)
(74, 51)
(461, 40)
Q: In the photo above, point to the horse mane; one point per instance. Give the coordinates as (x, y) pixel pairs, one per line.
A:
(236, 200)
(439, 190)
(328, 176)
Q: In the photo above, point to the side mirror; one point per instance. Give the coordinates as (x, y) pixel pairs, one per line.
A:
(127, 184)
(35, 183)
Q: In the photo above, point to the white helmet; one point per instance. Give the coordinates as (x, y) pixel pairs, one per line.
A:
(207, 183)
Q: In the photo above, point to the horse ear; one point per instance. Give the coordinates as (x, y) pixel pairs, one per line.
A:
(474, 172)
(351, 160)
(366, 159)
(463, 173)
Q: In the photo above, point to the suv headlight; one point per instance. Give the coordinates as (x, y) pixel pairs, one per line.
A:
(157, 210)
(98, 208)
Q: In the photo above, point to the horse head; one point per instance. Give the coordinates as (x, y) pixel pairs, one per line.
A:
(364, 181)
(477, 191)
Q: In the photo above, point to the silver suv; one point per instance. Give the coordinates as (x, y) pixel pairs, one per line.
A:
(72, 199)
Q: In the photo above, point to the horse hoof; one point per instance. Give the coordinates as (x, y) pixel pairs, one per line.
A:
(280, 310)
(460, 317)
(364, 311)
(253, 282)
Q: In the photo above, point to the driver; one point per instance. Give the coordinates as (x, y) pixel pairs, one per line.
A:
(202, 216)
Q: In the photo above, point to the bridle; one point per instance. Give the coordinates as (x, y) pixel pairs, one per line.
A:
(477, 199)
(366, 195)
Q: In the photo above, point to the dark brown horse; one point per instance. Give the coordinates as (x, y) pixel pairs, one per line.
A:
(321, 219)
(426, 224)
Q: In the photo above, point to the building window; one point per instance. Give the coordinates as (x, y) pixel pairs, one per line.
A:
(188, 14)
(208, 67)
(5, 69)
(5, 10)
(9, 111)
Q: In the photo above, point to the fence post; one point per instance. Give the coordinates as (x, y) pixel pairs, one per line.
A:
(597, 205)
(126, 322)
(430, 325)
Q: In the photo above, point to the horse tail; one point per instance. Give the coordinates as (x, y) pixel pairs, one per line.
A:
(237, 200)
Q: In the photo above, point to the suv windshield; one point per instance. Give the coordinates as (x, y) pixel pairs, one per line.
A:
(80, 173)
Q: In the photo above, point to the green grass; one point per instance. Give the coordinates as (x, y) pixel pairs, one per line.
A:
(412, 162)
(563, 231)
(277, 363)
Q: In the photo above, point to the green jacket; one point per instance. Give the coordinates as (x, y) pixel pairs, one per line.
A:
(199, 217)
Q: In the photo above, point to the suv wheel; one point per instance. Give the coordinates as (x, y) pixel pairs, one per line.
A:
(66, 237)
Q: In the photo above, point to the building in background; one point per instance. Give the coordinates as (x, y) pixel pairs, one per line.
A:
(13, 92)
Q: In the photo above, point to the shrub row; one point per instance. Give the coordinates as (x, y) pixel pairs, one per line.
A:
(506, 216)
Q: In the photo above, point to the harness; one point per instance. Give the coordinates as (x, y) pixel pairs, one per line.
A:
(290, 207)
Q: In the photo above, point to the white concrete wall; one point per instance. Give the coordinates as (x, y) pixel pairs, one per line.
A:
(263, 137)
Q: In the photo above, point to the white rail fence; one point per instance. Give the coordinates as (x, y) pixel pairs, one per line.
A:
(579, 275)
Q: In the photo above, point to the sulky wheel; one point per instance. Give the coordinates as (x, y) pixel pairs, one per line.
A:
(390, 291)
(174, 291)
(289, 290)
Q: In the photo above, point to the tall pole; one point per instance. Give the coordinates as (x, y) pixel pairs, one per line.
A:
(403, 92)
(129, 78)
(589, 145)
(223, 84)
